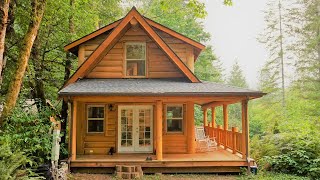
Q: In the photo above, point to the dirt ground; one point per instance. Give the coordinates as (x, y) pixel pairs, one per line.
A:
(81, 176)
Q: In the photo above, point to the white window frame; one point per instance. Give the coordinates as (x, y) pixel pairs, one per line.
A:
(102, 119)
(145, 58)
(182, 118)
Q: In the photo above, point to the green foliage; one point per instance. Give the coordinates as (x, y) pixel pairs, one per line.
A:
(12, 163)
(208, 67)
(28, 132)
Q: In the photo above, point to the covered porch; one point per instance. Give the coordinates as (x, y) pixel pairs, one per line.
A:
(166, 149)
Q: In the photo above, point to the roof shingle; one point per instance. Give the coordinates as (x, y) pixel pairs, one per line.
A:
(145, 87)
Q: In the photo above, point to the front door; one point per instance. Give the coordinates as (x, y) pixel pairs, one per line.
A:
(135, 129)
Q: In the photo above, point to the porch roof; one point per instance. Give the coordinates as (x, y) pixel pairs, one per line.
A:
(153, 87)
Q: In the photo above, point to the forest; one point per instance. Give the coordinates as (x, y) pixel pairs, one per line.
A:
(284, 124)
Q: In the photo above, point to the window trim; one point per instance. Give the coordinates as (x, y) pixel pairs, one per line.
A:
(101, 119)
(182, 119)
(125, 59)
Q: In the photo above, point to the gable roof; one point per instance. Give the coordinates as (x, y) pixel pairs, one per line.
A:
(73, 46)
(115, 35)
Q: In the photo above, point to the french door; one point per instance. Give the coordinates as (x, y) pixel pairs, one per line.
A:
(135, 133)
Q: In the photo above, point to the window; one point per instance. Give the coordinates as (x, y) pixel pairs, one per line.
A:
(95, 118)
(135, 59)
(174, 118)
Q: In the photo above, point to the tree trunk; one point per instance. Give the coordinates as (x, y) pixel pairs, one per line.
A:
(38, 87)
(4, 10)
(38, 8)
(67, 70)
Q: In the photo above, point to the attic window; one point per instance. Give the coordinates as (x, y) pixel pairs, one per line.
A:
(135, 59)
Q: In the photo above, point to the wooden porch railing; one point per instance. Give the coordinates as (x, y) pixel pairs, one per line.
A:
(232, 138)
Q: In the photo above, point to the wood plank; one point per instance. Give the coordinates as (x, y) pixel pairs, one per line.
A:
(107, 69)
(105, 74)
(245, 129)
(164, 74)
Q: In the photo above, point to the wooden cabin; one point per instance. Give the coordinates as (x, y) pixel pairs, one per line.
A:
(134, 93)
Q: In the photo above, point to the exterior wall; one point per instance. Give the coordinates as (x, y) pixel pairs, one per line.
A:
(100, 143)
(174, 142)
(95, 143)
(157, 63)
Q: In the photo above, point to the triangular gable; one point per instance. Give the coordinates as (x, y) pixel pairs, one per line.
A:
(114, 36)
(154, 24)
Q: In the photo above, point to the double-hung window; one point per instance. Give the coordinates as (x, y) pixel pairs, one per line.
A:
(95, 117)
(174, 118)
(135, 59)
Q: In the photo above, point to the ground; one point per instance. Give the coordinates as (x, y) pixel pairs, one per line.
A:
(260, 176)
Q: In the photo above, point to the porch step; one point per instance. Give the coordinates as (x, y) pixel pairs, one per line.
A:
(128, 172)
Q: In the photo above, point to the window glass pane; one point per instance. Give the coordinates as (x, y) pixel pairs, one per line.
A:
(96, 112)
(136, 68)
(174, 112)
(136, 51)
(174, 125)
(95, 126)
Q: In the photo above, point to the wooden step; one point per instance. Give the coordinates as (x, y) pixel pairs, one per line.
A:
(128, 172)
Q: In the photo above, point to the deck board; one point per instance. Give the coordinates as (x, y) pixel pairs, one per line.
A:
(216, 158)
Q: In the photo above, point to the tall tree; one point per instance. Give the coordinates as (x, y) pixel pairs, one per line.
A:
(237, 77)
(306, 48)
(38, 8)
(4, 11)
(276, 40)
(208, 67)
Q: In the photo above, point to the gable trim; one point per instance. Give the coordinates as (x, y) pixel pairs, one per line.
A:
(92, 35)
(175, 34)
(149, 21)
(110, 41)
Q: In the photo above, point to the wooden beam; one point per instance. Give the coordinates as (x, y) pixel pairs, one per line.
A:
(81, 55)
(220, 103)
(92, 35)
(74, 131)
(225, 124)
(245, 129)
(190, 128)
(159, 120)
(175, 34)
(205, 117)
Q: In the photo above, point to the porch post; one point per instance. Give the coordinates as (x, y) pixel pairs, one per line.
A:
(245, 129)
(205, 117)
(225, 124)
(213, 116)
(191, 128)
(74, 131)
(213, 120)
(159, 129)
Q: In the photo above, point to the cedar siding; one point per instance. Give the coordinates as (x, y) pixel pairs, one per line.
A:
(158, 64)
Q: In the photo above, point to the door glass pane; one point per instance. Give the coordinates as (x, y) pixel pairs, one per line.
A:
(126, 127)
(144, 127)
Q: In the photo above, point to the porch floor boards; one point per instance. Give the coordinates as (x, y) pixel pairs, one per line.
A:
(217, 155)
